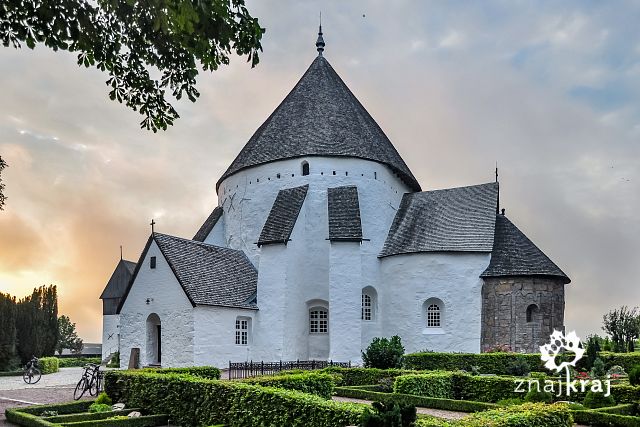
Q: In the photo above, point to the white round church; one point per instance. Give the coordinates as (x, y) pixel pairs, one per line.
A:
(322, 240)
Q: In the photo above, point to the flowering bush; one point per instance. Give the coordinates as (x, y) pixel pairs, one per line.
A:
(501, 348)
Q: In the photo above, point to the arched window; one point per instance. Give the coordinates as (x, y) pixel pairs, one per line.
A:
(305, 168)
(532, 310)
(368, 306)
(434, 313)
(318, 320)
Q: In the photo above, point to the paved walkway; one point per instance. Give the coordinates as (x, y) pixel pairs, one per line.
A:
(52, 388)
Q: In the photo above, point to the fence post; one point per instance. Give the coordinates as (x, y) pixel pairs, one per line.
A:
(280, 366)
(262, 368)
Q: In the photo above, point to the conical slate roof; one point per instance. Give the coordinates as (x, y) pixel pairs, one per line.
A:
(320, 117)
(515, 255)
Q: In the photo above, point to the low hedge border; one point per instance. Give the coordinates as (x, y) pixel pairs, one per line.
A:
(318, 383)
(84, 416)
(74, 414)
(365, 376)
(599, 418)
(420, 401)
(623, 409)
(196, 401)
(208, 372)
(143, 421)
(77, 362)
(529, 415)
(498, 363)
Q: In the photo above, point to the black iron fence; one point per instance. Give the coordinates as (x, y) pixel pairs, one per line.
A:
(239, 370)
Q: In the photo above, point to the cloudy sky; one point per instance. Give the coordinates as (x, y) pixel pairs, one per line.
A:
(549, 90)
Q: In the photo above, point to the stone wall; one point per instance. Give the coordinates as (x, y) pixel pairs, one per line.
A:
(505, 302)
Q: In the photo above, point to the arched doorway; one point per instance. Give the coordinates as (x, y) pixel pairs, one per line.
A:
(154, 340)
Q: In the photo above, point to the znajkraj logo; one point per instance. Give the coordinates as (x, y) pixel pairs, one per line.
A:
(563, 344)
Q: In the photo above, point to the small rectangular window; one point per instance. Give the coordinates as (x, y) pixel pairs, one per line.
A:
(318, 322)
(242, 332)
(152, 262)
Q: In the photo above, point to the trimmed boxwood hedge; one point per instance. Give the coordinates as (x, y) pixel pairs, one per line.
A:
(318, 383)
(84, 416)
(144, 421)
(498, 363)
(433, 384)
(365, 376)
(75, 362)
(528, 415)
(48, 365)
(209, 372)
(360, 392)
(29, 416)
(599, 418)
(197, 401)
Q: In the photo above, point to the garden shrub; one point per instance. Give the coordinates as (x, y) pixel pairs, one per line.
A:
(364, 376)
(389, 415)
(318, 383)
(616, 370)
(510, 402)
(518, 367)
(634, 375)
(384, 353)
(527, 415)
(598, 418)
(534, 395)
(194, 401)
(597, 400)
(385, 385)
(434, 384)
(48, 365)
(598, 370)
(99, 407)
(104, 399)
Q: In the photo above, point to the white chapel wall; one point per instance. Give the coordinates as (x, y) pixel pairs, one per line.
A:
(168, 300)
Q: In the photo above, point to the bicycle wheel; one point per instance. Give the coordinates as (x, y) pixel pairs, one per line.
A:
(35, 375)
(81, 387)
(94, 387)
(26, 376)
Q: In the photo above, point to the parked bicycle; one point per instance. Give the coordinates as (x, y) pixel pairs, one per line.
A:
(91, 381)
(31, 373)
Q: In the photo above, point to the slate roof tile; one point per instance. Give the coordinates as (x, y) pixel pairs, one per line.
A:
(344, 214)
(320, 117)
(455, 219)
(283, 215)
(515, 255)
(210, 275)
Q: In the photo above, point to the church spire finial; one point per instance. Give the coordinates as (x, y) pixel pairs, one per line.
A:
(320, 41)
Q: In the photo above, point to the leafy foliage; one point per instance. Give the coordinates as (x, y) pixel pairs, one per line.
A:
(318, 383)
(518, 367)
(389, 415)
(598, 370)
(209, 372)
(3, 165)
(597, 400)
(384, 353)
(99, 407)
(623, 326)
(592, 352)
(364, 376)
(48, 365)
(534, 395)
(37, 323)
(67, 336)
(8, 359)
(73, 362)
(196, 401)
(103, 398)
(125, 39)
(634, 375)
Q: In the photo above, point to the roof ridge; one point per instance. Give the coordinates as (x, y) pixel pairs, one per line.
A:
(198, 243)
(456, 188)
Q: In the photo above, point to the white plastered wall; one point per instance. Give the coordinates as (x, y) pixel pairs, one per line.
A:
(110, 334)
(168, 300)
